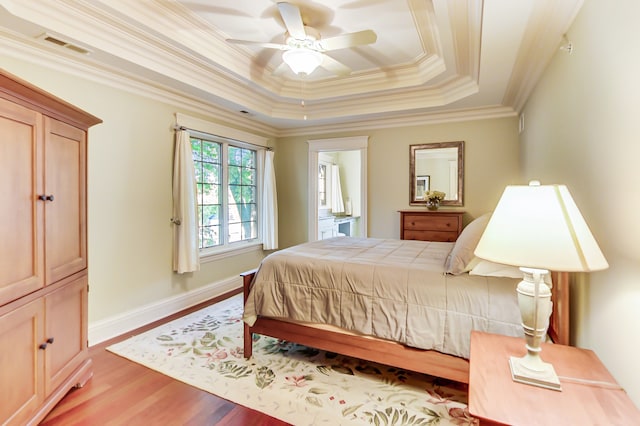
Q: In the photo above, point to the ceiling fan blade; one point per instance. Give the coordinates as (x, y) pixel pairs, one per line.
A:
(259, 43)
(292, 20)
(347, 40)
(334, 66)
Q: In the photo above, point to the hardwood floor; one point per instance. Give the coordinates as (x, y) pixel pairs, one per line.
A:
(123, 392)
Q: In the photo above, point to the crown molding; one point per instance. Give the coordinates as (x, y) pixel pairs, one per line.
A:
(204, 74)
(31, 51)
(221, 94)
(88, 25)
(388, 102)
(404, 120)
(233, 81)
(407, 77)
(548, 23)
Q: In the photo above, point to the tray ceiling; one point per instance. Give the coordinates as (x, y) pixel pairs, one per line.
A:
(433, 60)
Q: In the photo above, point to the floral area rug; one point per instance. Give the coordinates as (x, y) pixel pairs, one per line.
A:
(294, 383)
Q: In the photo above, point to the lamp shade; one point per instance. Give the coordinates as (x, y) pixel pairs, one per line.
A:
(302, 60)
(540, 226)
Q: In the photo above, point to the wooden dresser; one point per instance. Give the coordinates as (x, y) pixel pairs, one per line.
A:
(428, 225)
(43, 255)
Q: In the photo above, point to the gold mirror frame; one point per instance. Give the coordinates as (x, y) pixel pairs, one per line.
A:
(425, 178)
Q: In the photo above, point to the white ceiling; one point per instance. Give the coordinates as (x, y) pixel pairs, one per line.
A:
(433, 60)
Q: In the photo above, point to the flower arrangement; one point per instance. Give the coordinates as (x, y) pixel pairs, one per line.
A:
(433, 199)
(434, 196)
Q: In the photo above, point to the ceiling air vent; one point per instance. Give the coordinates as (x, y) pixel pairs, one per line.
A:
(59, 42)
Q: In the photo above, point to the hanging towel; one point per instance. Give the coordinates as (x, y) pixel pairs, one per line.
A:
(337, 205)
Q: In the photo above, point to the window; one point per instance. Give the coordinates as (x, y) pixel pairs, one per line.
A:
(227, 183)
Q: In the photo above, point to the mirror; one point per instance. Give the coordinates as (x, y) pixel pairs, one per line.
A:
(437, 167)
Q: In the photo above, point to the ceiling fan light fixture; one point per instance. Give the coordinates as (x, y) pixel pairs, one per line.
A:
(302, 61)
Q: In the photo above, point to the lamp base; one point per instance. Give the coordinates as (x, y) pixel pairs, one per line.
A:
(543, 375)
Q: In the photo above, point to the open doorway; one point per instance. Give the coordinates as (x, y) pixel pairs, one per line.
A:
(337, 187)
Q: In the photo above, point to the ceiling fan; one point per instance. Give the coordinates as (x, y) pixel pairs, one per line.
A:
(304, 49)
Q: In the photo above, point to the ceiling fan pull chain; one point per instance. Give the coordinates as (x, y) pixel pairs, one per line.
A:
(304, 116)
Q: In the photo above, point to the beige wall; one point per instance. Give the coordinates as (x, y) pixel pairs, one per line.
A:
(491, 162)
(582, 129)
(129, 196)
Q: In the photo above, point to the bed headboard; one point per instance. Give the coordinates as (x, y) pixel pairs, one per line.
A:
(559, 328)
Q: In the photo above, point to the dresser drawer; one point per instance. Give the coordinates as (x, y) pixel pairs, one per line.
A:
(430, 225)
(430, 235)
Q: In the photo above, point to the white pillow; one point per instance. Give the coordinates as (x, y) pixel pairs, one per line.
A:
(491, 269)
(461, 257)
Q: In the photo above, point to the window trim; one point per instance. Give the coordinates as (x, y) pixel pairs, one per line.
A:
(225, 144)
(202, 129)
(240, 247)
(211, 128)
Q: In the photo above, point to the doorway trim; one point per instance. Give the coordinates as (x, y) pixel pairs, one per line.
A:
(353, 143)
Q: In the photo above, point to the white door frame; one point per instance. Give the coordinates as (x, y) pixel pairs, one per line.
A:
(355, 143)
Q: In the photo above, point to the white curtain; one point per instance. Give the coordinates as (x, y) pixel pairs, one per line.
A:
(269, 205)
(186, 254)
(337, 205)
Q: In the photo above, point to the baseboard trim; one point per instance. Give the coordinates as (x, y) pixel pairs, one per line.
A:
(108, 328)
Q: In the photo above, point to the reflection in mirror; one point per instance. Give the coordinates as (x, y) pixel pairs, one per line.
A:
(437, 167)
(322, 185)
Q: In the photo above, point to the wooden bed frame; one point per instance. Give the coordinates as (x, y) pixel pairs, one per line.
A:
(391, 353)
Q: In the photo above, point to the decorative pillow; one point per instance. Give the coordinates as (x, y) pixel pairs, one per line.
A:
(461, 256)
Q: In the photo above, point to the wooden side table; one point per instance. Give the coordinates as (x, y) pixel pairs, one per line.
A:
(589, 396)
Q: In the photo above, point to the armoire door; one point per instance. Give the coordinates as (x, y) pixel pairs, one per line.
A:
(21, 226)
(65, 331)
(64, 193)
(21, 386)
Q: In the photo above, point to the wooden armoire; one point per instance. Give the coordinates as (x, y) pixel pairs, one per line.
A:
(43, 250)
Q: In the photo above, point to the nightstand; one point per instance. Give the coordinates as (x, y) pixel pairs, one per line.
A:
(589, 396)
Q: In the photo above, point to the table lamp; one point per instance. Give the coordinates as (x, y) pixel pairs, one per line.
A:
(538, 228)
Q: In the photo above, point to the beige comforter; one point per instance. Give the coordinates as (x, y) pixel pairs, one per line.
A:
(391, 289)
